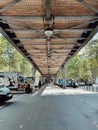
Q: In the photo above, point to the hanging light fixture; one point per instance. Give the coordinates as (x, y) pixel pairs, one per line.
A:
(48, 32)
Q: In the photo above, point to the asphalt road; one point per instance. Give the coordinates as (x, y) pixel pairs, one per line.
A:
(51, 108)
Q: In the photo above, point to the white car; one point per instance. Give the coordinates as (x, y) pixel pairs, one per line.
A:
(81, 83)
(5, 94)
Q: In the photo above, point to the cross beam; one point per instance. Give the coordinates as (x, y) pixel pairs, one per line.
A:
(88, 5)
(9, 5)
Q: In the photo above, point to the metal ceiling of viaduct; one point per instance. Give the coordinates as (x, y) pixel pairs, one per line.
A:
(72, 23)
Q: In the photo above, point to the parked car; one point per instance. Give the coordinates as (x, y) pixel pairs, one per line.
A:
(81, 83)
(70, 83)
(5, 94)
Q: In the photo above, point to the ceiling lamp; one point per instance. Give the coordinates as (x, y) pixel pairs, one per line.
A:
(48, 32)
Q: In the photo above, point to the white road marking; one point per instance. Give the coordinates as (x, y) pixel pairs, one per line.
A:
(88, 103)
(18, 97)
(35, 93)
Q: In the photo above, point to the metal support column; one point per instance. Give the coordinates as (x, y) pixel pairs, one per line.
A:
(55, 79)
(33, 72)
(64, 76)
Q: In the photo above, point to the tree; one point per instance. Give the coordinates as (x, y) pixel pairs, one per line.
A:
(12, 60)
(3, 62)
(73, 67)
(85, 65)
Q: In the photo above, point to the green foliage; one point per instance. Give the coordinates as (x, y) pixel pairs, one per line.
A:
(60, 75)
(2, 49)
(12, 60)
(84, 66)
(73, 67)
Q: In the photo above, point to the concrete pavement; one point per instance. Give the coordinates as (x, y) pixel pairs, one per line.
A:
(52, 108)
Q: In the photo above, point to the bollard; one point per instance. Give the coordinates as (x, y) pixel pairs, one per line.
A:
(96, 88)
(93, 88)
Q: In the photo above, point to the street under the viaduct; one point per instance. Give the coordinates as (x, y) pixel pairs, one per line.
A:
(51, 108)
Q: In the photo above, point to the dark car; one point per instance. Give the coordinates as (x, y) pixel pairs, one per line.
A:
(70, 83)
(5, 94)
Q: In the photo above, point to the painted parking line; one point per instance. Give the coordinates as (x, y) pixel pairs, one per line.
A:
(40, 90)
(14, 99)
(34, 94)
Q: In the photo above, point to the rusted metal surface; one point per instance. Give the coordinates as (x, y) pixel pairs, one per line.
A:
(23, 23)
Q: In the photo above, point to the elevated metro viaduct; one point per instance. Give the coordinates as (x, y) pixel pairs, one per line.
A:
(48, 33)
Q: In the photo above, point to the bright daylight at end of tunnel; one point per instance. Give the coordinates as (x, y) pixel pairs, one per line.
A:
(49, 64)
